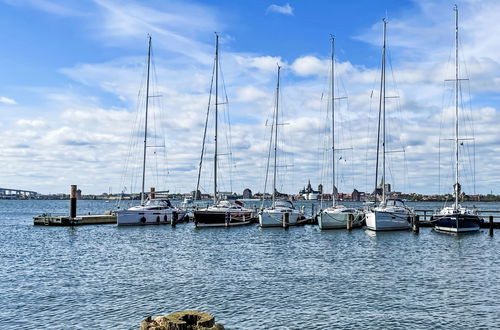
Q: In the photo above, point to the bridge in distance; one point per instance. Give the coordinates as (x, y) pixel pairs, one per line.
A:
(8, 193)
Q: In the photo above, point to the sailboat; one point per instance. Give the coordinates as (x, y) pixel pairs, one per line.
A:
(390, 214)
(152, 210)
(222, 213)
(456, 219)
(283, 212)
(336, 216)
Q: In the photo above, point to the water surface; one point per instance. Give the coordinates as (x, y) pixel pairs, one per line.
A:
(111, 277)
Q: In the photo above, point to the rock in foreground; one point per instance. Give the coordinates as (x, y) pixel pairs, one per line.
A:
(186, 320)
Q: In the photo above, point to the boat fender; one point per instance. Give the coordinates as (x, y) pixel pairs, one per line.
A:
(143, 220)
(165, 218)
(158, 219)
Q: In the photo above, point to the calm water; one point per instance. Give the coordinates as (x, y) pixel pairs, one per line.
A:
(110, 278)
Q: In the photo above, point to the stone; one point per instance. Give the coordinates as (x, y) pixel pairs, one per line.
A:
(185, 320)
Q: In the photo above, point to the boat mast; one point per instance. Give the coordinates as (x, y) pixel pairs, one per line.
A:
(216, 111)
(334, 197)
(383, 112)
(146, 123)
(456, 108)
(381, 117)
(276, 134)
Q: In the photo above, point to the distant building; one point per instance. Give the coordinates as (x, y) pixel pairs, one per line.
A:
(308, 192)
(247, 194)
(356, 196)
(196, 196)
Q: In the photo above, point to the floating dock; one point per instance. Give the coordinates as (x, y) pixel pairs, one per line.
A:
(61, 220)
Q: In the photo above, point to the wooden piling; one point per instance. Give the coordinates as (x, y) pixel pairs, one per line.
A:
(491, 225)
(349, 221)
(174, 219)
(286, 220)
(72, 201)
(312, 210)
(415, 219)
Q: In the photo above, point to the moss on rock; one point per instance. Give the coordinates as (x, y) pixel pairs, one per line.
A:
(185, 320)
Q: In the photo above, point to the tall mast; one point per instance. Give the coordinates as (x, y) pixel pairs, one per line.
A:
(456, 107)
(216, 111)
(381, 118)
(276, 134)
(146, 123)
(383, 111)
(333, 120)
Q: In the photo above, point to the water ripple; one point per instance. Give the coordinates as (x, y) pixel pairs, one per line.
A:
(250, 278)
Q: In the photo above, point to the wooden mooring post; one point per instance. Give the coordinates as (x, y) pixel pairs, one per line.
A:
(72, 201)
(175, 215)
(312, 210)
(349, 221)
(491, 225)
(286, 220)
(415, 219)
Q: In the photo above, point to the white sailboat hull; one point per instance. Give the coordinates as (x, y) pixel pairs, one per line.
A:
(456, 230)
(148, 217)
(387, 220)
(338, 220)
(274, 218)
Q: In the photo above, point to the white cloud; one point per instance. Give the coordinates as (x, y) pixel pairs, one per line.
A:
(80, 138)
(264, 63)
(251, 94)
(35, 123)
(286, 9)
(47, 6)
(7, 100)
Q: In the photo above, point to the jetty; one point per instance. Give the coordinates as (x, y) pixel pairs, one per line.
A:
(72, 219)
(61, 220)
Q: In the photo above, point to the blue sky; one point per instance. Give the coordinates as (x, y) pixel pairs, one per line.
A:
(71, 71)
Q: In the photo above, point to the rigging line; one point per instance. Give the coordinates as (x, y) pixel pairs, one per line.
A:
(228, 130)
(468, 118)
(269, 152)
(205, 133)
(133, 142)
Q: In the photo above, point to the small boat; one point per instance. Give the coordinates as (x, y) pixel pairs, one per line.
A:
(336, 216)
(224, 214)
(456, 219)
(280, 213)
(390, 214)
(152, 210)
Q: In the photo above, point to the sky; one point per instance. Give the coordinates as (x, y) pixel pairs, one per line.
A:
(73, 73)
